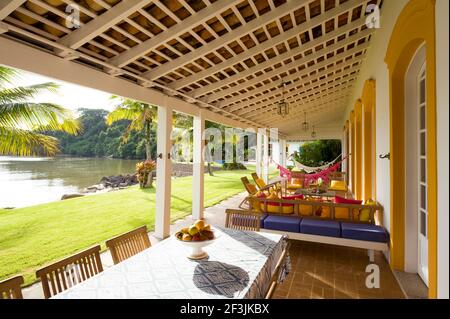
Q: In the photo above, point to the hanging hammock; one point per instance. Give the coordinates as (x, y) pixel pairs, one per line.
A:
(310, 178)
(309, 169)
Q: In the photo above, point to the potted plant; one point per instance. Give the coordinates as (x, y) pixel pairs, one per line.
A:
(144, 173)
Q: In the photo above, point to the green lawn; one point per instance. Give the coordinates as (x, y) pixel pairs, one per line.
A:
(33, 236)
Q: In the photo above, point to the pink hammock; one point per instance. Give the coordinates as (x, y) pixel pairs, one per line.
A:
(309, 178)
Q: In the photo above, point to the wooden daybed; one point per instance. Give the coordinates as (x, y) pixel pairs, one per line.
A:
(300, 220)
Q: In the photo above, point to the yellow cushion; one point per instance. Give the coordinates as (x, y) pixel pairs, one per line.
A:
(251, 189)
(305, 210)
(260, 182)
(364, 214)
(273, 195)
(276, 209)
(295, 184)
(255, 204)
(338, 185)
(343, 213)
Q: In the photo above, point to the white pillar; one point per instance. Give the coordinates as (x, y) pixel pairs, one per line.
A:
(259, 139)
(198, 168)
(265, 172)
(163, 172)
(283, 153)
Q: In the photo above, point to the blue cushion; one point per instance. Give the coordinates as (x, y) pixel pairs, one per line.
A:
(320, 227)
(263, 216)
(365, 232)
(283, 223)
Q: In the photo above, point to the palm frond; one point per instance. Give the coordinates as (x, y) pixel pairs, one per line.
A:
(70, 126)
(31, 115)
(18, 142)
(7, 75)
(122, 113)
(24, 93)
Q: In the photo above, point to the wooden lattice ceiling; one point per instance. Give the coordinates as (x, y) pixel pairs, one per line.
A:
(229, 56)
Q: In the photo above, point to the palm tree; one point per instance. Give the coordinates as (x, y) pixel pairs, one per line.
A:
(140, 115)
(23, 123)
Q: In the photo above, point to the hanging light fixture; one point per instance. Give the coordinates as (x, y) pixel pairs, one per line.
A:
(305, 125)
(283, 106)
(313, 133)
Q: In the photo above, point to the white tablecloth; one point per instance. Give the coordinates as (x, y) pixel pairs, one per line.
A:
(240, 265)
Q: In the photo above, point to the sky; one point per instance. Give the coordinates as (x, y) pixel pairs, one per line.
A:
(69, 95)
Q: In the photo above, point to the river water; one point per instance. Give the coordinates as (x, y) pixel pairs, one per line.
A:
(26, 181)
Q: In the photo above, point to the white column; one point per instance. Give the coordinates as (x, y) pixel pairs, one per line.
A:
(265, 171)
(283, 153)
(344, 151)
(259, 139)
(198, 168)
(163, 172)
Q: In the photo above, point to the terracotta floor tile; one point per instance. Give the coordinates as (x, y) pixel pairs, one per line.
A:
(326, 271)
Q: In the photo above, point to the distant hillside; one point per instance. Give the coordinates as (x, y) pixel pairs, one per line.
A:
(101, 140)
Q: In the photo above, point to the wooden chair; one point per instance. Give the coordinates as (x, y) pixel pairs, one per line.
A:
(129, 244)
(262, 186)
(10, 288)
(276, 273)
(70, 271)
(243, 220)
(250, 188)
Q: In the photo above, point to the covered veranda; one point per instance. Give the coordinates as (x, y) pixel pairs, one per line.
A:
(231, 62)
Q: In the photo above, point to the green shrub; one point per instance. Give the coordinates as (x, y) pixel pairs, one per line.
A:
(233, 166)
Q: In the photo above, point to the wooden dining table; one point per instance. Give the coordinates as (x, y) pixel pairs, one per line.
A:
(240, 265)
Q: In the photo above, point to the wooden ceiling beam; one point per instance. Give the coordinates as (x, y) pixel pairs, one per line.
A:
(173, 32)
(291, 95)
(265, 92)
(293, 65)
(284, 36)
(97, 26)
(323, 90)
(8, 6)
(284, 9)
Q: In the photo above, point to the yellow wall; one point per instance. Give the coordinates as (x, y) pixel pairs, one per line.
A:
(414, 27)
(352, 151)
(358, 150)
(369, 138)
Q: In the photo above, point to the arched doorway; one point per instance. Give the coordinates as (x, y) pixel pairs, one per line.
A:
(416, 213)
(414, 28)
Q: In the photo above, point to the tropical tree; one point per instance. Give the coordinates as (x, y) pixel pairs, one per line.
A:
(140, 115)
(23, 123)
(318, 153)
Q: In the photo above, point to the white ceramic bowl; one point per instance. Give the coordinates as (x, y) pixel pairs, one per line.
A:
(197, 246)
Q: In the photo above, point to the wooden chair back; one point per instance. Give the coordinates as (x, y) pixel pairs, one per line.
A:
(129, 244)
(243, 220)
(70, 271)
(249, 189)
(10, 288)
(276, 273)
(255, 177)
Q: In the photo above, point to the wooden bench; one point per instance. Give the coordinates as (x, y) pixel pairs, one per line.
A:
(348, 232)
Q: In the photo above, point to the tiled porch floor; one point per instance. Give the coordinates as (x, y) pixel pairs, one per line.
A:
(318, 270)
(332, 272)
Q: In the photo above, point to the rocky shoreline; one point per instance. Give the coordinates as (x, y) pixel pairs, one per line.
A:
(106, 184)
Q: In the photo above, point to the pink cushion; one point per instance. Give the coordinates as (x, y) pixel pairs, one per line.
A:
(341, 200)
